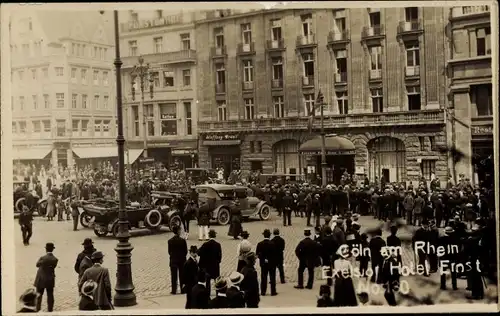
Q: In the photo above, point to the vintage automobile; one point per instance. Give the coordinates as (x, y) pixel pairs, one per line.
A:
(224, 196)
(166, 201)
(200, 175)
(139, 216)
(38, 205)
(86, 219)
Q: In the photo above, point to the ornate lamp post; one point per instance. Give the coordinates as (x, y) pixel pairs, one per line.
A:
(142, 72)
(124, 288)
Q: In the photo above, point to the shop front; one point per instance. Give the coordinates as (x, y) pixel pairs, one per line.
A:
(482, 154)
(223, 151)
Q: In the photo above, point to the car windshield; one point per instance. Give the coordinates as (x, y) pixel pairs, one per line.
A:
(229, 194)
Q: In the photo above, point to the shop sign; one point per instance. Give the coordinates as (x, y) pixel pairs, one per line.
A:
(146, 160)
(217, 137)
(330, 153)
(181, 152)
(168, 116)
(482, 130)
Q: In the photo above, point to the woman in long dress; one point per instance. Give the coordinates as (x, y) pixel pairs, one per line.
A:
(51, 206)
(344, 292)
(235, 228)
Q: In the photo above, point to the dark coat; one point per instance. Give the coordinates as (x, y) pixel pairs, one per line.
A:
(45, 276)
(279, 246)
(177, 250)
(87, 304)
(375, 245)
(250, 285)
(266, 252)
(210, 258)
(308, 251)
(236, 297)
(100, 275)
(200, 297)
(328, 248)
(190, 273)
(204, 213)
(219, 302)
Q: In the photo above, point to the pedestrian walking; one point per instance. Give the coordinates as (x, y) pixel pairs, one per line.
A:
(100, 275)
(204, 220)
(220, 300)
(375, 245)
(344, 292)
(75, 214)
(29, 300)
(287, 209)
(87, 296)
(177, 251)
(279, 247)
(190, 275)
(266, 253)
(421, 235)
(83, 260)
(210, 258)
(235, 227)
(51, 206)
(26, 223)
(307, 251)
(243, 248)
(250, 283)
(45, 277)
(235, 295)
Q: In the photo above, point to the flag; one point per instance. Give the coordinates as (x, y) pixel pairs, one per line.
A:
(312, 110)
(456, 155)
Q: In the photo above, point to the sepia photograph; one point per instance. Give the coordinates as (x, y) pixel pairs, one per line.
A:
(170, 156)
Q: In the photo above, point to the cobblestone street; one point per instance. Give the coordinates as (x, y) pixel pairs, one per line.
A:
(150, 262)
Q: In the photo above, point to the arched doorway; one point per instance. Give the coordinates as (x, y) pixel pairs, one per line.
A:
(387, 159)
(286, 158)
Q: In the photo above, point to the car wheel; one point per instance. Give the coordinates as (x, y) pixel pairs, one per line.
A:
(100, 230)
(115, 229)
(85, 220)
(265, 212)
(153, 219)
(223, 216)
(174, 221)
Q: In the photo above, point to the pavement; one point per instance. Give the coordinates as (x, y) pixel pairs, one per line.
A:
(151, 274)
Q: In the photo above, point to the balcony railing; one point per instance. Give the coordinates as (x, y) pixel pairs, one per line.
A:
(341, 77)
(469, 10)
(218, 51)
(151, 23)
(372, 31)
(409, 26)
(375, 74)
(338, 36)
(220, 88)
(277, 83)
(308, 81)
(275, 44)
(412, 71)
(413, 118)
(248, 85)
(303, 40)
(246, 48)
(162, 58)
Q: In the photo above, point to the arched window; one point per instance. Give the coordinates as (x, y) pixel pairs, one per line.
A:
(286, 157)
(387, 159)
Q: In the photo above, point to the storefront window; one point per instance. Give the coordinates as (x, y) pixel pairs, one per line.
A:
(286, 156)
(387, 158)
(168, 118)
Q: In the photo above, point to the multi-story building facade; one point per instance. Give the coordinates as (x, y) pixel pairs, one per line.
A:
(381, 72)
(62, 87)
(166, 122)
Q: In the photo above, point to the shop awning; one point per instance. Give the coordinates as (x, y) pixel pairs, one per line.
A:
(96, 152)
(133, 154)
(30, 153)
(231, 142)
(334, 145)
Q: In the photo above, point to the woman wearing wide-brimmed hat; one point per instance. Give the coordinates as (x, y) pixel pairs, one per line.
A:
(344, 293)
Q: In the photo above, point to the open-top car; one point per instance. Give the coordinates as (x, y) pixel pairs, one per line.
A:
(200, 175)
(225, 197)
(24, 197)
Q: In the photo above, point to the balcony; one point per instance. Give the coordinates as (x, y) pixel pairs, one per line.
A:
(220, 88)
(182, 56)
(372, 32)
(410, 27)
(246, 49)
(375, 74)
(306, 41)
(340, 36)
(275, 44)
(360, 120)
(277, 84)
(218, 52)
(247, 85)
(412, 71)
(144, 24)
(307, 81)
(341, 78)
(470, 12)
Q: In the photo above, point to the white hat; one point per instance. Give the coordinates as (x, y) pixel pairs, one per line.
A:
(236, 278)
(89, 287)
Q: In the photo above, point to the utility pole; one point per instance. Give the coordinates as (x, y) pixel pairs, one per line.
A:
(324, 165)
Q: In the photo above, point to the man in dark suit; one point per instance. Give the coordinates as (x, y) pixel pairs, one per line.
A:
(394, 241)
(26, 223)
(421, 235)
(220, 300)
(100, 275)
(328, 247)
(376, 244)
(266, 253)
(45, 277)
(279, 247)
(29, 299)
(210, 258)
(234, 294)
(200, 296)
(83, 260)
(177, 250)
(250, 283)
(307, 252)
(450, 243)
(190, 274)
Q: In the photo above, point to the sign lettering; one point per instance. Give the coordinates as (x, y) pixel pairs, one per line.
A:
(331, 152)
(481, 130)
(222, 137)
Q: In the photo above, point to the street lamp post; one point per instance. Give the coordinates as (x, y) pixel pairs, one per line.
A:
(142, 71)
(324, 165)
(124, 288)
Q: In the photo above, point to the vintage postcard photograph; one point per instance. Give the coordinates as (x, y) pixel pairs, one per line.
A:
(249, 157)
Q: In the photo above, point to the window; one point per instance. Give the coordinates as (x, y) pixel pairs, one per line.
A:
(168, 119)
(84, 101)
(21, 103)
(105, 128)
(47, 128)
(46, 103)
(97, 128)
(59, 71)
(84, 50)
(249, 109)
(73, 49)
(483, 41)
(375, 19)
(155, 76)
(412, 54)
(339, 25)
(246, 33)
(258, 146)
(150, 117)
(413, 95)
(219, 37)
(186, 77)
(95, 77)
(427, 168)
(421, 141)
(135, 118)
(377, 100)
(341, 65)
(309, 104)
(60, 100)
(252, 147)
(37, 127)
(308, 67)
(75, 127)
(306, 25)
(61, 128)
(85, 128)
(411, 14)
(34, 74)
(83, 74)
(96, 52)
(104, 53)
(432, 141)
(277, 68)
(45, 72)
(276, 30)
(96, 101)
(279, 107)
(376, 57)
(343, 102)
(105, 78)
(73, 74)
(189, 118)
(220, 74)
(22, 127)
(221, 111)
(14, 128)
(186, 41)
(105, 102)
(132, 45)
(168, 78)
(247, 71)
(73, 101)
(34, 99)
(158, 44)
(481, 96)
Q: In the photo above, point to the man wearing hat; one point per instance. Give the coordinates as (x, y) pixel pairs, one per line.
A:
(190, 273)
(328, 247)
(45, 277)
(250, 283)
(279, 248)
(235, 296)
(307, 251)
(244, 247)
(83, 261)
(449, 242)
(210, 258)
(220, 300)
(265, 251)
(422, 235)
(26, 223)
(338, 231)
(177, 251)
(29, 301)
(200, 295)
(98, 274)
